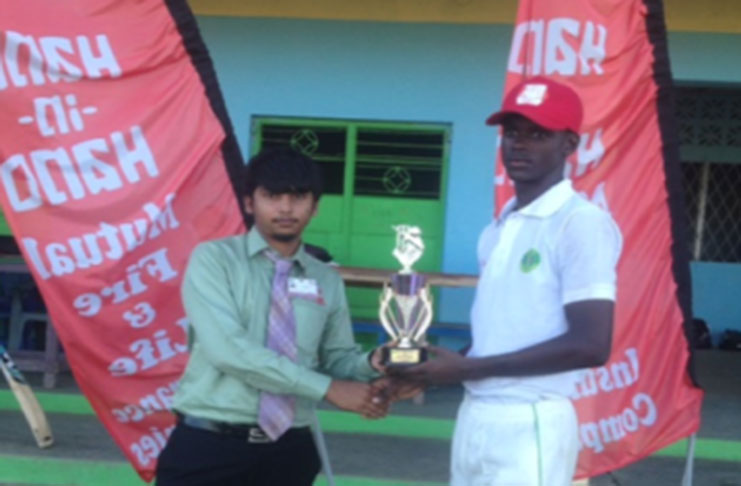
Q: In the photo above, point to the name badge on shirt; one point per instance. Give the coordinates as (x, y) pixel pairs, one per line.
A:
(305, 288)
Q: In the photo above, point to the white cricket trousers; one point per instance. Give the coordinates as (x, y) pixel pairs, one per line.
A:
(520, 444)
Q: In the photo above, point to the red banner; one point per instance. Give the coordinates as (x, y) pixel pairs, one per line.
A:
(112, 171)
(613, 53)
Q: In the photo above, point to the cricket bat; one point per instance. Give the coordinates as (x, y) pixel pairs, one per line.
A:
(29, 404)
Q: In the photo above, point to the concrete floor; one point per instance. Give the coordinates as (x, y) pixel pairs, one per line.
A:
(82, 438)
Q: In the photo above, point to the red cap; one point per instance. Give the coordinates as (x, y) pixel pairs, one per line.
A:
(545, 102)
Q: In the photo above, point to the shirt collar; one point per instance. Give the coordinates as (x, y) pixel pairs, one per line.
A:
(256, 244)
(544, 205)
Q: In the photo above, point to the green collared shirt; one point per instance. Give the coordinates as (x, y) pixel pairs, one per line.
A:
(226, 292)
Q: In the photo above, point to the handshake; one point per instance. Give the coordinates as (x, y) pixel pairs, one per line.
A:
(372, 400)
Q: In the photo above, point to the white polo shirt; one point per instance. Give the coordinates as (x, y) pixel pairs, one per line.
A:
(558, 249)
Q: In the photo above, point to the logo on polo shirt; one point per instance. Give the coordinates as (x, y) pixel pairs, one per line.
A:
(530, 260)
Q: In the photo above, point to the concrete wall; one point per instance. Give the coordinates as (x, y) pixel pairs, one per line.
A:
(715, 290)
(432, 73)
(714, 58)
(378, 71)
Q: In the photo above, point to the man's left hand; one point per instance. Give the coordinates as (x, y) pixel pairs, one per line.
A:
(447, 367)
(376, 360)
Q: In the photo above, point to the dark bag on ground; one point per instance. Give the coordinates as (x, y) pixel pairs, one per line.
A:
(730, 340)
(701, 334)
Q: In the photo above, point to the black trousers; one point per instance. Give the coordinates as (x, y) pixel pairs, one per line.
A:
(195, 457)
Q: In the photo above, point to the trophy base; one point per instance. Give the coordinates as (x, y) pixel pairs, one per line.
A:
(400, 357)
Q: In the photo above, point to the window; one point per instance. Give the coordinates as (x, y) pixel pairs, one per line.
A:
(376, 175)
(399, 164)
(710, 136)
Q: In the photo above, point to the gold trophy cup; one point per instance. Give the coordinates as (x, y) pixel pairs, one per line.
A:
(406, 304)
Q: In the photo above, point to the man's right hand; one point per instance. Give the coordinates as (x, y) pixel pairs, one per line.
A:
(357, 397)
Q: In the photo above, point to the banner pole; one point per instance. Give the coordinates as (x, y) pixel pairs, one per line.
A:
(321, 446)
(690, 464)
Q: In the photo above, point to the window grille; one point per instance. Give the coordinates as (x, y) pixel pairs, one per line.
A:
(714, 206)
(390, 160)
(326, 145)
(709, 122)
(399, 164)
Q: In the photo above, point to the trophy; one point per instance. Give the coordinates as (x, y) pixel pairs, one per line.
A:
(406, 305)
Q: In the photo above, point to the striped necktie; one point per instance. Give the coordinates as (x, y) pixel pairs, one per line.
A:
(276, 411)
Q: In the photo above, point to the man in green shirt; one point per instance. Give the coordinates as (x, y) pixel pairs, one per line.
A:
(270, 336)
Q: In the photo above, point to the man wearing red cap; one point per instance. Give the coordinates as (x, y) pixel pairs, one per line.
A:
(543, 307)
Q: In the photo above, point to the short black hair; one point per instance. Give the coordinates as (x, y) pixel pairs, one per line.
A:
(282, 170)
